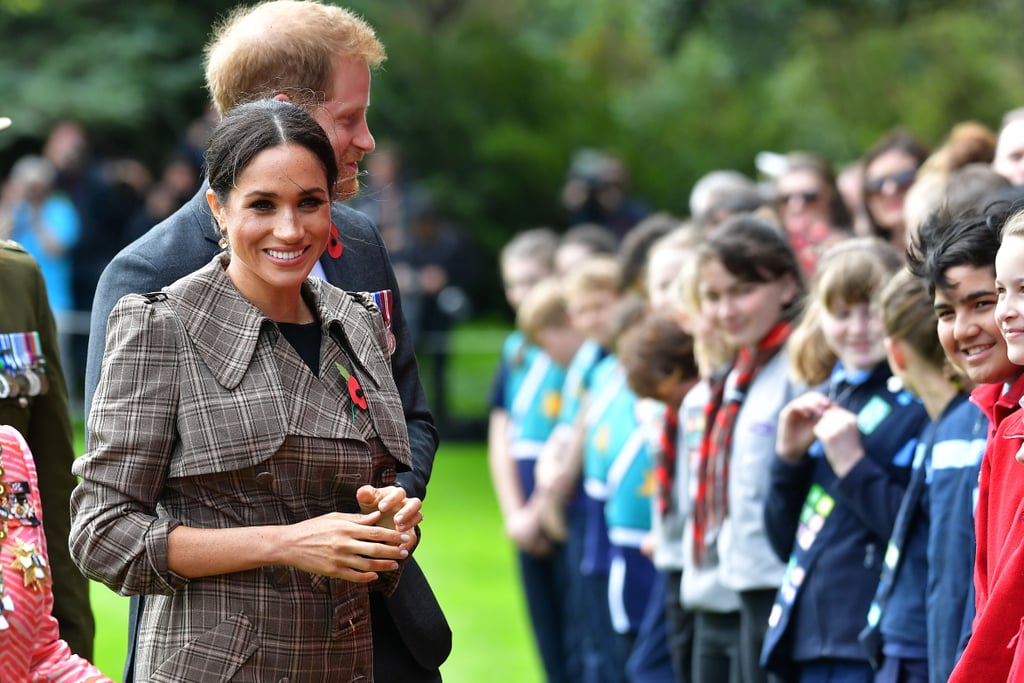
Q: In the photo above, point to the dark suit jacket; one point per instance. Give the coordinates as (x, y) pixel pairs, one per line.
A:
(46, 425)
(185, 242)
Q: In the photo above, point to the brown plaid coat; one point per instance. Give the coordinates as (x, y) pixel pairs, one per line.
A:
(206, 416)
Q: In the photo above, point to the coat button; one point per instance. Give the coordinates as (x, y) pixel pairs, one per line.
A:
(265, 480)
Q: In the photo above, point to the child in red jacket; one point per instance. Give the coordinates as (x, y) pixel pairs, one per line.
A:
(956, 258)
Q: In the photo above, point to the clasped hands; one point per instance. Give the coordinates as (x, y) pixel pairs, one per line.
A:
(356, 547)
(814, 417)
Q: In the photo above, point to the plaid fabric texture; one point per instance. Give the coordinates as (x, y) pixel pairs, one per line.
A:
(206, 416)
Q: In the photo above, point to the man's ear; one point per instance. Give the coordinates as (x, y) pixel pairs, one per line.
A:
(281, 97)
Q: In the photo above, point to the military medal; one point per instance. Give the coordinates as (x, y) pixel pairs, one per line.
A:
(16, 509)
(40, 361)
(26, 360)
(30, 561)
(10, 387)
(384, 302)
(35, 386)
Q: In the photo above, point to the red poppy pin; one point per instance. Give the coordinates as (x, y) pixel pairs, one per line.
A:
(355, 390)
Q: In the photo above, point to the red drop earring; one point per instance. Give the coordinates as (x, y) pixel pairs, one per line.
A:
(334, 245)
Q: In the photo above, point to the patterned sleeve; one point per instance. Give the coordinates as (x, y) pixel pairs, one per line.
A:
(54, 661)
(118, 537)
(30, 645)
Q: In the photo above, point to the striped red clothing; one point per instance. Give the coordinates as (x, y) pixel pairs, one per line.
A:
(30, 646)
(711, 505)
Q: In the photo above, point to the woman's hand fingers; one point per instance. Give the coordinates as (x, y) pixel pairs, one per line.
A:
(351, 547)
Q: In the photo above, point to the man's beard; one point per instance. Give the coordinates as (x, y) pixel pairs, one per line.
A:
(346, 188)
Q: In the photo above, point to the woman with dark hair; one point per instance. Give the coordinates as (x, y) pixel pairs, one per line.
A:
(750, 287)
(245, 436)
(890, 168)
(811, 207)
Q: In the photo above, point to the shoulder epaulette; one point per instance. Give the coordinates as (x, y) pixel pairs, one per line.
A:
(364, 299)
(153, 297)
(12, 245)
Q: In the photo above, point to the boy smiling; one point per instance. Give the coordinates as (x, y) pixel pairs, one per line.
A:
(958, 260)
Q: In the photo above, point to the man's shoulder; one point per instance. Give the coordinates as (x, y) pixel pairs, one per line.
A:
(13, 252)
(12, 247)
(353, 223)
(19, 273)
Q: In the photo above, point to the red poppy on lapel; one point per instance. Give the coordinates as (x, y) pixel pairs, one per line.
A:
(355, 390)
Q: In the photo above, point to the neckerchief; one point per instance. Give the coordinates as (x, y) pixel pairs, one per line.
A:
(712, 501)
(665, 468)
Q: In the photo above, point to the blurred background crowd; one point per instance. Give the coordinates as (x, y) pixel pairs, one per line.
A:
(497, 117)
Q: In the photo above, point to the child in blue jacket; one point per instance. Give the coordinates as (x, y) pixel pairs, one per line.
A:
(843, 462)
(924, 603)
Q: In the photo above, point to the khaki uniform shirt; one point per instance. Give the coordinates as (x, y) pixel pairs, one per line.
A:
(45, 423)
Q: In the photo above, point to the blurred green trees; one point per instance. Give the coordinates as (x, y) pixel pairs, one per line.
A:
(489, 99)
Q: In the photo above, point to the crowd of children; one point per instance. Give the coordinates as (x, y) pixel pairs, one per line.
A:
(778, 440)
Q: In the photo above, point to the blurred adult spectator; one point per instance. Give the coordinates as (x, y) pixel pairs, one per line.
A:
(177, 184)
(598, 191)
(1008, 160)
(730, 204)
(956, 176)
(105, 194)
(890, 168)
(192, 145)
(45, 222)
(971, 186)
(967, 189)
(850, 183)
(967, 142)
(811, 208)
(388, 195)
(433, 271)
(714, 187)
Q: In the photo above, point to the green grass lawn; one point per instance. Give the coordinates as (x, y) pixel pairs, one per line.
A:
(469, 562)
